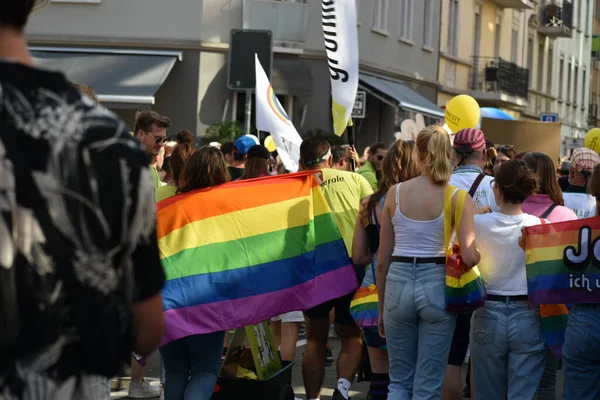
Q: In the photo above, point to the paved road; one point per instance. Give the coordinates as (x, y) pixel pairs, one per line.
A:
(357, 392)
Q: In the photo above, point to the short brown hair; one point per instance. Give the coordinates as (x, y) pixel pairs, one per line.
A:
(375, 147)
(15, 13)
(312, 149)
(144, 119)
(87, 91)
(205, 168)
(184, 136)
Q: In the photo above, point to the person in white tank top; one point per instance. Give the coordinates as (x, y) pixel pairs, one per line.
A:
(411, 272)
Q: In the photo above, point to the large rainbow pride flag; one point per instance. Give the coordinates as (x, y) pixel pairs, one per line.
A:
(562, 265)
(243, 252)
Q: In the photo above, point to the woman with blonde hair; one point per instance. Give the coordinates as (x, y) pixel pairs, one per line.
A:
(411, 271)
(398, 165)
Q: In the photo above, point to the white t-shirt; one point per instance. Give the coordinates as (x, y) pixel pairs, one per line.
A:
(502, 264)
(484, 196)
(584, 205)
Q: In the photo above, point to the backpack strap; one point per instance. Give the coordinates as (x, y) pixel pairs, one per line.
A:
(475, 184)
(548, 211)
(398, 195)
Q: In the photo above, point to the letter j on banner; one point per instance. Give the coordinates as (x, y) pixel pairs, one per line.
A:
(341, 44)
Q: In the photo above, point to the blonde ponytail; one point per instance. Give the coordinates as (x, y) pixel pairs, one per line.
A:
(433, 144)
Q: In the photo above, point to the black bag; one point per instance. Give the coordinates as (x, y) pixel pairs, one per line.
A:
(36, 308)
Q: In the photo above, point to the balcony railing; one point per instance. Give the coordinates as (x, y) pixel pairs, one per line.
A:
(593, 115)
(556, 19)
(518, 4)
(495, 75)
(288, 20)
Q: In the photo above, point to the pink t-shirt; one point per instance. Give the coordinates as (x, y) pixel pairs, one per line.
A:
(538, 204)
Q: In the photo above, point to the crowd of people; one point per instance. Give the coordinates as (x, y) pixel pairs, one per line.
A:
(80, 274)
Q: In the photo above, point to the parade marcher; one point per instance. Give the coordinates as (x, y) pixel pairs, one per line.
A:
(87, 91)
(504, 153)
(547, 203)
(344, 192)
(411, 272)
(89, 277)
(240, 154)
(150, 129)
(583, 162)
(398, 165)
(471, 157)
(177, 161)
(184, 136)
(581, 351)
(192, 363)
(339, 158)
(258, 163)
(227, 150)
(492, 153)
(372, 168)
(507, 347)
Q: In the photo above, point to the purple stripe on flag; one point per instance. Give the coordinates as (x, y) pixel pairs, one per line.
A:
(237, 313)
(564, 296)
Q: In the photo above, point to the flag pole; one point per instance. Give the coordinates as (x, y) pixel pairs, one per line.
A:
(350, 131)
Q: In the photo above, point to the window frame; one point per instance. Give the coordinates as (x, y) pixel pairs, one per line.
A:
(380, 11)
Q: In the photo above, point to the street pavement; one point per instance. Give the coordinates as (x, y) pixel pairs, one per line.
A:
(358, 391)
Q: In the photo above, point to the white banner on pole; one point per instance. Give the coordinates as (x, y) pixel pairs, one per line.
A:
(272, 118)
(341, 43)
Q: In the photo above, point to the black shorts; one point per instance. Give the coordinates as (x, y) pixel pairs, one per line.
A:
(460, 340)
(341, 305)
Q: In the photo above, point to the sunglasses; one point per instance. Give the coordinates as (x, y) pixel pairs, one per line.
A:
(158, 139)
(380, 157)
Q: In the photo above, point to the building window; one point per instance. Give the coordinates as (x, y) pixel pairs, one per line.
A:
(427, 23)
(380, 10)
(561, 81)
(583, 80)
(588, 20)
(477, 31)
(497, 37)
(575, 85)
(549, 75)
(406, 19)
(568, 97)
(453, 28)
(514, 44)
(530, 50)
(540, 67)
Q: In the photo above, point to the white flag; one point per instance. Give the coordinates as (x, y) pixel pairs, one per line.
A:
(271, 117)
(341, 43)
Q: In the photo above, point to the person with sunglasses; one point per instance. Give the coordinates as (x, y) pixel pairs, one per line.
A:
(150, 129)
(371, 171)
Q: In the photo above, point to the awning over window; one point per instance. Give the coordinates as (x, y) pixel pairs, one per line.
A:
(404, 96)
(118, 76)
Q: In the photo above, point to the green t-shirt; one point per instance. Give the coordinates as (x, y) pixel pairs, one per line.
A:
(369, 173)
(155, 178)
(344, 192)
(164, 192)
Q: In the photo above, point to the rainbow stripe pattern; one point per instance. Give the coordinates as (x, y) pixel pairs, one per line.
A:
(276, 106)
(560, 270)
(243, 252)
(364, 307)
(555, 318)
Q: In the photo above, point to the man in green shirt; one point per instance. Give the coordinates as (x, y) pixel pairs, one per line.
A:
(150, 129)
(371, 171)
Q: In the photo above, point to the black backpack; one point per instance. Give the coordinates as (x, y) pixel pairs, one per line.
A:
(37, 309)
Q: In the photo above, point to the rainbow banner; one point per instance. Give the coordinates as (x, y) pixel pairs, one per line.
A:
(243, 252)
(562, 262)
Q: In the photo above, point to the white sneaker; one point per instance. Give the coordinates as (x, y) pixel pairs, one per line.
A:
(144, 391)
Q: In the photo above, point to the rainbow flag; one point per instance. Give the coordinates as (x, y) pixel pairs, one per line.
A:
(555, 318)
(243, 252)
(561, 262)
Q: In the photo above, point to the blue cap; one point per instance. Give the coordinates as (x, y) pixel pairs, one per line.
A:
(243, 144)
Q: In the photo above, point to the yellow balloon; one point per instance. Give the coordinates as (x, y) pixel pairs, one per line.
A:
(592, 140)
(462, 112)
(270, 144)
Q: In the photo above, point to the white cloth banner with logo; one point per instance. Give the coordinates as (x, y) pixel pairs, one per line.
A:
(272, 118)
(341, 43)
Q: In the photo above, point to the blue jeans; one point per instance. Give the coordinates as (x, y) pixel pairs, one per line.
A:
(508, 350)
(418, 330)
(192, 366)
(581, 353)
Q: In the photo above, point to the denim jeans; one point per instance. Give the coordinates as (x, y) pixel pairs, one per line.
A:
(581, 353)
(508, 350)
(192, 366)
(418, 330)
(547, 388)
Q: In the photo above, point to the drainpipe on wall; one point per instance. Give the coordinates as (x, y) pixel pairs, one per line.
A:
(437, 76)
(244, 7)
